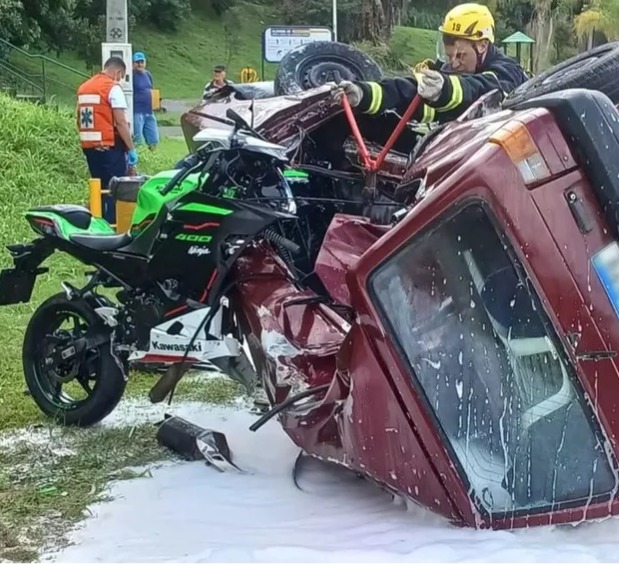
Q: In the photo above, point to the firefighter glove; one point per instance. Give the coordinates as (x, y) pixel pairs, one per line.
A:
(430, 84)
(350, 90)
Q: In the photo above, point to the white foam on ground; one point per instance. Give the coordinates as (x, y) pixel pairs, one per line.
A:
(188, 512)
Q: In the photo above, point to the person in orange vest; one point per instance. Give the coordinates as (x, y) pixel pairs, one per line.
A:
(105, 136)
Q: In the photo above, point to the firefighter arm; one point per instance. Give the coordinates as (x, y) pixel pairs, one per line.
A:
(393, 94)
(122, 127)
(459, 92)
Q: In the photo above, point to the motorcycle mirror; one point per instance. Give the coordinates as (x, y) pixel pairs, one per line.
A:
(241, 123)
(236, 118)
(253, 115)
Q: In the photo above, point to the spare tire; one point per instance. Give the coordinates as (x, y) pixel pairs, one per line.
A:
(597, 69)
(313, 64)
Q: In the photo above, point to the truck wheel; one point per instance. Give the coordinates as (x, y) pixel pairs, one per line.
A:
(313, 64)
(597, 69)
(53, 378)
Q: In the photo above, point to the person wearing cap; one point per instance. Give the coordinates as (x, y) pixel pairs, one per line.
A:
(145, 127)
(218, 82)
(469, 67)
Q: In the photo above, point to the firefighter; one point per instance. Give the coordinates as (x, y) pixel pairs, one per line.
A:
(473, 67)
(105, 136)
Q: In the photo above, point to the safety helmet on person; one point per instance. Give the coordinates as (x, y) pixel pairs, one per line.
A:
(469, 21)
(465, 36)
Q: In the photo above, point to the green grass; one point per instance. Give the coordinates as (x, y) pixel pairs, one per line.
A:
(49, 475)
(181, 62)
(47, 483)
(169, 118)
(412, 45)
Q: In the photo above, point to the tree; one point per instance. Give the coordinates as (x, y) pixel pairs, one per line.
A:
(12, 23)
(77, 24)
(598, 16)
(359, 20)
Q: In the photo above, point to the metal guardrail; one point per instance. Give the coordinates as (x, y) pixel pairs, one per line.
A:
(40, 83)
(17, 79)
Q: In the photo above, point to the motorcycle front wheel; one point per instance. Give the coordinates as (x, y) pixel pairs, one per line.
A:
(69, 386)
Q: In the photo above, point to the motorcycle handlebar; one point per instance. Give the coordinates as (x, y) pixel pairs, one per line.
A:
(192, 164)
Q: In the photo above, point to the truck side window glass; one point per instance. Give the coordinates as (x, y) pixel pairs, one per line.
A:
(482, 353)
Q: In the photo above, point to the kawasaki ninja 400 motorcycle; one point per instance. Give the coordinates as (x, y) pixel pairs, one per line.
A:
(170, 270)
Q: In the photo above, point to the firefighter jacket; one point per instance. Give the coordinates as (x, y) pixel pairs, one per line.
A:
(95, 116)
(460, 91)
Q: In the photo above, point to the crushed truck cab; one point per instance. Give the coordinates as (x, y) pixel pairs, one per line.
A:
(477, 372)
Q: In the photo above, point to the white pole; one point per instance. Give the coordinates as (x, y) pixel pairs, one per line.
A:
(334, 20)
(117, 32)
(117, 28)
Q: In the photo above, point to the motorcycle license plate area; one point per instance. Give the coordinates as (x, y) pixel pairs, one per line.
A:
(490, 371)
(16, 286)
(606, 264)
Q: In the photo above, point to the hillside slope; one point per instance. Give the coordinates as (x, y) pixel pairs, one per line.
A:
(181, 62)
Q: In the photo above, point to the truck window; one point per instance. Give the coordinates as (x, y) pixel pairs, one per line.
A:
(483, 355)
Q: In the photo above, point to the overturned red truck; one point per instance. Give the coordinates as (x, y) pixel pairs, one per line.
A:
(477, 372)
(447, 327)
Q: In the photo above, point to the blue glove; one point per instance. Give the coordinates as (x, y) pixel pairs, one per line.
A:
(132, 158)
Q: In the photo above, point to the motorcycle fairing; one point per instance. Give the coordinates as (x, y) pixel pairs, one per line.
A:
(170, 339)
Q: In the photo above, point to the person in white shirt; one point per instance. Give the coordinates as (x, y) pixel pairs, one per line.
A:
(218, 82)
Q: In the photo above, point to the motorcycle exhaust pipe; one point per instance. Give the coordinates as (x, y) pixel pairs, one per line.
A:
(179, 435)
(192, 442)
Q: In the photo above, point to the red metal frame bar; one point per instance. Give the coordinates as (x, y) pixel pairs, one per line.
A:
(367, 161)
(370, 164)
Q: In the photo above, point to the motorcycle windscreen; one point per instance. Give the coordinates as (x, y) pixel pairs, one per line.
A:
(483, 354)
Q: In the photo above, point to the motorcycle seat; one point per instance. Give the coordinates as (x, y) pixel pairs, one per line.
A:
(78, 216)
(111, 242)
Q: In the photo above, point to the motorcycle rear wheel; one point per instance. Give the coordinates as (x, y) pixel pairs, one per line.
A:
(98, 375)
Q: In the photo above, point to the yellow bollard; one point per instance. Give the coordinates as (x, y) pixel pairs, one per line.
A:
(95, 199)
(156, 98)
(95, 203)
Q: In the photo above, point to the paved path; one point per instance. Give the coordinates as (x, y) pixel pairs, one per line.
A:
(179, 106)
(175, 107)
(170, 131)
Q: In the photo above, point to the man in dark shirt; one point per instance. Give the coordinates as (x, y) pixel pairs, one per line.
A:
(218, 82)
(144, 120)
(474, 67)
